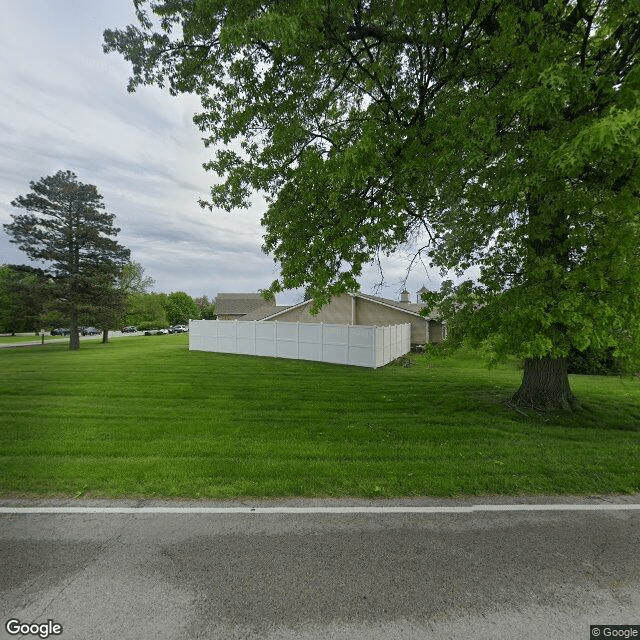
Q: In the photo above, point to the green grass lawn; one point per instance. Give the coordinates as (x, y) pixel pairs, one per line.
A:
(144, 416)
(29, 338)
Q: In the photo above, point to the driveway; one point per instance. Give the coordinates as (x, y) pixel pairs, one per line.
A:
(322, 569)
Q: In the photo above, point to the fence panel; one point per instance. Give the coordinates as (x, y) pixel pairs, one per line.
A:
(310, 342)
(245, 338)
(361, 346)
(362, 350)
(265, 338)
(287, 340)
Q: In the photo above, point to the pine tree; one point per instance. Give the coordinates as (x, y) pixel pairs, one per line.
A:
(66, 227)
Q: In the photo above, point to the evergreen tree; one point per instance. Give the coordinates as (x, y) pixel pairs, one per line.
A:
(66, 227)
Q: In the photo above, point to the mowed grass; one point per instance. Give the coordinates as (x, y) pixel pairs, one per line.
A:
(145, 417)
(27, 338)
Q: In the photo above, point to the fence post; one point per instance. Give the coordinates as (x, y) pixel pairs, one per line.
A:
(375, 348)
(392, 340)
(235, 328)
(255, 337)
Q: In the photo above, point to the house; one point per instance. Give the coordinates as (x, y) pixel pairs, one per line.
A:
(362, 309)
(234, 306)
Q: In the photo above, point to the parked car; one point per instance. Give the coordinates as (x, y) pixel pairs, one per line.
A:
(91, 331)
(178, 328)
(155, 332)
(60, 332)
(129, 330)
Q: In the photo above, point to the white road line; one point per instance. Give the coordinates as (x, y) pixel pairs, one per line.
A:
(321, 510)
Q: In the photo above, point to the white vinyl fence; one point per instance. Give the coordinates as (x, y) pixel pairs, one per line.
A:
(357, 345)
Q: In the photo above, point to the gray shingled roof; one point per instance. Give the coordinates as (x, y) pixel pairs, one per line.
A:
(241, 303)
(412, 307)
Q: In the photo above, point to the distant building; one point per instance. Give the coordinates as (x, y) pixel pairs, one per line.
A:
(234, 306)
(362, 309)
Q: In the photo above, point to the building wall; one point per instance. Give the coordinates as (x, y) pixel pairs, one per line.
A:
(339, 311)
(369, 312)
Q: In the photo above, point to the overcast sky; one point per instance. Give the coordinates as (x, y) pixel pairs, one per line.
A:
(64, 105)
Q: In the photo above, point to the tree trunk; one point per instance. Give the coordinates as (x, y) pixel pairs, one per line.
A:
(74, 337)
(105, 336)
(545, 385)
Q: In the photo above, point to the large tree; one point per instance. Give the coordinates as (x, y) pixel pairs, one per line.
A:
(504, 134)
(180, 308)
(120, 298)
(108, 304)
(146, 310)
(67, 228)
(132, 279)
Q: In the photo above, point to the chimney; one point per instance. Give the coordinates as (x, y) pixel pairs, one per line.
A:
(405, 296)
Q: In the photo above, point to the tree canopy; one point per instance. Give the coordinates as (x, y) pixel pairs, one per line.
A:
(497, 133)
(67, 228)
(180, 307)
(206, 308)
(24, 293)
(132, 279)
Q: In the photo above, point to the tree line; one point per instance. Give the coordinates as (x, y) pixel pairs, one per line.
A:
(87, 277)
(160, 310)
(28, 303)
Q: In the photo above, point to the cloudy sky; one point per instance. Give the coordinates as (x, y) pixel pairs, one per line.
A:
(64, 105)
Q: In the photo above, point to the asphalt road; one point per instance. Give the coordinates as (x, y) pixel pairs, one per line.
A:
(276, 576)
(36, 342)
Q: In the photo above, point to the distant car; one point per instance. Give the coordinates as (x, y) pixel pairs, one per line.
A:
(91, 331)
(129, 330)
(178, 328)
(60, 332)
(155, 332)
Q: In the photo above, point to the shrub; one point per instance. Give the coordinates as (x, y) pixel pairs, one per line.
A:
(594, 362)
